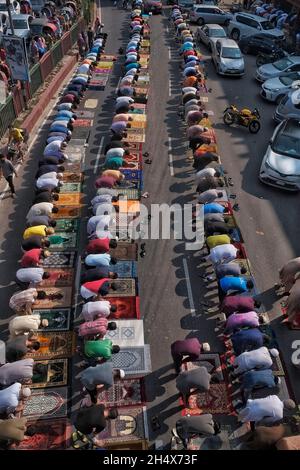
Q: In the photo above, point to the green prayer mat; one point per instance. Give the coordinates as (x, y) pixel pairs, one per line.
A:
(67, 225)
(63, 240)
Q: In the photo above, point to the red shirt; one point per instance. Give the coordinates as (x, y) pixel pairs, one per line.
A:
(2, 54)
(94, 286)
(186, 347)
(105, 182)
(31, 258)
(189, 52)
(68, 99)
(237, 303)
(99, 246)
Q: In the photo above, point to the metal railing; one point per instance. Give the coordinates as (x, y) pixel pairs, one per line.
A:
(7, 114)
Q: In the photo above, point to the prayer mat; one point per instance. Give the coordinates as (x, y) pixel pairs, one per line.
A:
(58, 278)
(45, 404)
(131, 184)
(91, 104)
(125, 251)
(138, 110)
(82, 114)
(225, 440)
(130, 425)
(127, 206)
(131, 194)
(53, 345)
(108, 58)
(216, 401)
(67, 213)
(81, 133)
(138, 124)
(277, 366)
(128, 333)
(72, 177)
(132, 174)
(130, 165)
(125, 288)
(83, 123)
(70, 199)
(138, 117)
(73, 167)
(125, 268)
(56, 297)
(210, 360)
(145, 43)
(132, 137)
(58, 319)
(127, 307)
(231, 221)
(140, 444)
(70, 188)
(105, 64)
(133, 156)
(134, 360)
(53, 435)
(69, 243)
(76, 153)
(223, 198)
(123, 393)
(134, 146)
(50, 373)
(67, 225)
(77, 143)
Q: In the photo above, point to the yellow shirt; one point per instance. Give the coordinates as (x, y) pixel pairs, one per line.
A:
(205, 122)
(113, 173)
(16, 134)
(39, 230)
(215, 240)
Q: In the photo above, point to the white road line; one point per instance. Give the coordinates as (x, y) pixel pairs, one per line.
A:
(98, 155)
(167, 29)
(169, 53)
(118, 85)
(170, 88)
(189, 288)
(170, 157)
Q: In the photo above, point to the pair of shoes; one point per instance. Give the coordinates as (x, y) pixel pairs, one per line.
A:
(142, 254)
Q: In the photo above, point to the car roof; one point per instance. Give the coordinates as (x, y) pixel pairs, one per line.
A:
(294, 58)
(253, 17)
(228, 42)
(206, 6)
(213, 26)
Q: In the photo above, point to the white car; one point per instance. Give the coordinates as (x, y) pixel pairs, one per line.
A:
(227, 58)
(209, 34)
(274, 89)
(21, 25)
(291, 63)
(14, 7)
(246, 24)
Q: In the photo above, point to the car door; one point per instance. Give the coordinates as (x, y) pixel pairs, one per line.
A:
(217, 16)
(217, 52)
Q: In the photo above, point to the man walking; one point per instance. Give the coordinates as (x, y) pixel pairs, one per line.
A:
(8, 171)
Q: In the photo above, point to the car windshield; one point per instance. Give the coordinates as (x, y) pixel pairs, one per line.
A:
(282, 64)
(289, 79)
(217, 33)
(266, 25)
(287, 141)
(3, 7)
(231, 53)
(20, 24)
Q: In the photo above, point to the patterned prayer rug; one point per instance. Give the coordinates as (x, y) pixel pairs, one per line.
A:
(132, 157)
(90, 104)
(80, 133)
(83, 123)
(76, 153)
(131, 165)
(134, 360)
(211, 361)
(70, 199)
(53, 435)
(83, 114)
(62, 260)
(125, 288)
(131, 194)
(67, 225)
(215, 401)
(56, 297)
(131, 184)
(69, 242)
(67, 213)
(70, 188)
(46, 403)
(127, 307)
(130, 425)
(134, 146)
(132, 174)
(128, 333)
(138, 117)
(125, 251)
(71, 177)
(58, 278)
(58, 319)
(73, 167)
(53, 345)
(125, 268)
(133, 137)
(123, 393)
(50, 373)
(127, 206)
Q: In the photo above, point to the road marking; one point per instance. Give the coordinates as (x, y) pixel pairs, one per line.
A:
(170, 88)
(98, 155)
(169, 53)
(118, 85)
(189, 288)
(170, 157)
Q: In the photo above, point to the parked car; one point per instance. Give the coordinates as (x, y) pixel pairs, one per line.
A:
(37, 5)
(21, 26)
(259, 43)
(281, 163)
(245, 24)
(201, 14)
(228, 58)
(210, 33)
(152, 6)
(289, 107)
(14, 7)
(274, 89)
(40, 26)
(289, 63)
(186, 5)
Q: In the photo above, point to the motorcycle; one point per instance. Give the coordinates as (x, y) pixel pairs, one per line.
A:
(263, 58)
(245, 118)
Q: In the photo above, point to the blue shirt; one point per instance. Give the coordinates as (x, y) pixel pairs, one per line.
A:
(258, 378)
(237, 284)
(98, 260)
(213, 208)
(247, 340)
(133, 65)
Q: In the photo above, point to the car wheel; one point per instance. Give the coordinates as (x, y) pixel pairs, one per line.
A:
(235, 34)
(279, 98)
(200, 21)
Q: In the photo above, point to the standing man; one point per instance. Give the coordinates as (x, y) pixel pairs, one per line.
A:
(90, 35)
(8, 171)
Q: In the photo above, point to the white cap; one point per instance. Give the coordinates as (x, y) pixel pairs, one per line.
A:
(122, 373)
(26, 392)
(206, 347)
(274, 352)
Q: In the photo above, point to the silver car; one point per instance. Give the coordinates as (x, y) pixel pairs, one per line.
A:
(274, 89)
(209, 34)
(289, 107)
(246, 24)
(228, 58)
(281, 164)
(211, 14)
(290, 63)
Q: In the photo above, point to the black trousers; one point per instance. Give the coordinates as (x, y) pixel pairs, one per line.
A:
(9, 179)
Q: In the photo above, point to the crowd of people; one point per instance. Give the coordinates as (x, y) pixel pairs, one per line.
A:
(249, 351)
